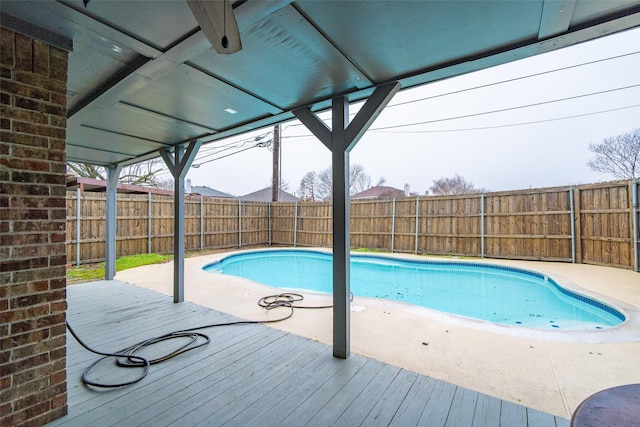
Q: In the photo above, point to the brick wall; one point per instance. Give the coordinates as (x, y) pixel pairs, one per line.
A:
(32, 231)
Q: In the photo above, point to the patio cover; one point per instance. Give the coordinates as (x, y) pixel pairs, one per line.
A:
(144, 80)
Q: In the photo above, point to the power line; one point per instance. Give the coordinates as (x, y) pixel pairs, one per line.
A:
(197, 164)
(211, 147)
(515, 79)
(231, 154)
(502, 110)
(511, 124)
(382, 129)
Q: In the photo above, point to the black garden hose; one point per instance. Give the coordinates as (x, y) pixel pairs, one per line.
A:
(126, 358)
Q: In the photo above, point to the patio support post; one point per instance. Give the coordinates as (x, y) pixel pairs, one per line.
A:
(149, 222)
(341, 139)
(178, 164)
(78, 211)
(113, 173)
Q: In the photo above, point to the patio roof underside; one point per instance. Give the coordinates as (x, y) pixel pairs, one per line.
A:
(143, 77)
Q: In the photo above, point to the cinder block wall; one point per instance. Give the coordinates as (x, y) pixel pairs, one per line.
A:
(32, 231)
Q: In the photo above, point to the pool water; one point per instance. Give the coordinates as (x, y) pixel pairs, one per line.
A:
(494, 293)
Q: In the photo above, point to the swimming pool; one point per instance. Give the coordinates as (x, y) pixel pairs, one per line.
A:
(494, 293)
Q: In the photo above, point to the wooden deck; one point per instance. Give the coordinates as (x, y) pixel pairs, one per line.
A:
(251, 375)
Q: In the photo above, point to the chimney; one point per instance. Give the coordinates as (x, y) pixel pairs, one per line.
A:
(187, 186)
(407, 191)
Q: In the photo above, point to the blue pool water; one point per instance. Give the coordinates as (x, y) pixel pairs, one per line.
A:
(495, 293)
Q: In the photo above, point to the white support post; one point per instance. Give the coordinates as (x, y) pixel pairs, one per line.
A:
(340, 140)
(201, 223)
(178, 164)
(113, 173)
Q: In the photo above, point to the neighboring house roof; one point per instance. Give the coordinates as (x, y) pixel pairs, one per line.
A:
(379, 192)
(210, 192)
(265, 195)
(98, 185)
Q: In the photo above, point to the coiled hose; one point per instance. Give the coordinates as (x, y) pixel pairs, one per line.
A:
(127, 357)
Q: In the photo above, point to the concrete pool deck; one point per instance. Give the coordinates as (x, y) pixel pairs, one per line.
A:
(549, 371)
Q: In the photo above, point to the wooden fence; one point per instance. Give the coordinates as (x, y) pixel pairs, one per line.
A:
(591, 224)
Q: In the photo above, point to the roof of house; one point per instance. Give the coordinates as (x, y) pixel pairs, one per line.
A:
(203, 190)
(98, 185)
(265, 195)
(379, 192)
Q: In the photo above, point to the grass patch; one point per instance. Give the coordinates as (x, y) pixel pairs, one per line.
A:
(368, 250)
(90, 272)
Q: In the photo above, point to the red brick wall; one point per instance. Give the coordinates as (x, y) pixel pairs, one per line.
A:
(32, 231)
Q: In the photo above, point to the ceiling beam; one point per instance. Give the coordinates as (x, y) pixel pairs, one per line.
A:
(556, 17)
(42, 34)
(85, 23)
(370, 112)
(218, 23)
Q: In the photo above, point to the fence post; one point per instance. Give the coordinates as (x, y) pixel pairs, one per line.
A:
(573, 226)
(149, 222)
(634, 211)
(269, 225)
(577, 220)
(78, 226)
(393, 222)
(201, 224)
(482, 225)
(295, 224)
(239, 223)
(417, 219)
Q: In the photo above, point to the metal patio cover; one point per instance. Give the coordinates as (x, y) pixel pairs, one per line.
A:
(143, 77)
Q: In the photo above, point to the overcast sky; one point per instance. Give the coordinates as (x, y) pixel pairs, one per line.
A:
(496, 151)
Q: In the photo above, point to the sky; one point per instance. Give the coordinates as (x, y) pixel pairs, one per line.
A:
(422, 135)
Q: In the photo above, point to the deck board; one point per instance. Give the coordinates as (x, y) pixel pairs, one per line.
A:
(251, 375)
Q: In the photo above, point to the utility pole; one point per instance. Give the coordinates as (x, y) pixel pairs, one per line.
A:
(275, 186)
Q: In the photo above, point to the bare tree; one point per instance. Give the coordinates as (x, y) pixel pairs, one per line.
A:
(143, 173)
(358, 179)
(322, 182)
(308, 186)
(452, 186)
(618, 155)
(86, 170)
(324, 190)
